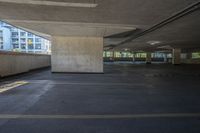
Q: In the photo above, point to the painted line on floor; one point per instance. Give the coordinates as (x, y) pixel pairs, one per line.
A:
(122, 84)
(86, 83)
(133, 116)
(9, 86)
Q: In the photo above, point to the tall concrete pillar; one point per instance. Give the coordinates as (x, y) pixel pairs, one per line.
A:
(133, 56)
(113, 55)
(176, 56)
(148, 58)
(77, 54)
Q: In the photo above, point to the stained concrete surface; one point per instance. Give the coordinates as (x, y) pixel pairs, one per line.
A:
(77, 54)
(123, 89)
(15, 62)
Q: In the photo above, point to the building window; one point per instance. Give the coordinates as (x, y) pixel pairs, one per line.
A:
(15, 46)
(13, 29)
(23, 40)
(14, 34)
(1, 44)
(30, 46)
(22, 34)
(38, 46)
(30, 41)
(23, 46)
(1, 39)
(30, 34)
(1, 33)
(15, 40)
(37, 39)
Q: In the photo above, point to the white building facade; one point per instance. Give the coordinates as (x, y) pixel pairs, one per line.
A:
(5, 38)
(15, 39)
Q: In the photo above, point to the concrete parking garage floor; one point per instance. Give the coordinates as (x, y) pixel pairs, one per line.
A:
(128, 98)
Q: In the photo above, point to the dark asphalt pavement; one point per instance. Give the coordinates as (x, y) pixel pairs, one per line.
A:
(124, 89)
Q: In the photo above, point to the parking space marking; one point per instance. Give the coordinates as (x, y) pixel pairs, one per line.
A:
(87, 83)
(130, 116)
(9, 86)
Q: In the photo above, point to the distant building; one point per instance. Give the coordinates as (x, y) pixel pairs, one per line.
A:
(15, 39)
(5, 38)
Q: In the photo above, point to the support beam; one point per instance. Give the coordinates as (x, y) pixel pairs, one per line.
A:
(176, 56)
(148, 58)
(133, 56)
(77, 54)
(113, 55)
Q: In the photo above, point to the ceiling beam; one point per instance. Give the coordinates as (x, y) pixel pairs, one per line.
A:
(52, 3)
(191, 8)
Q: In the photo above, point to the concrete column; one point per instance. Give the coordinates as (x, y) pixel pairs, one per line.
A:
(77, 54)
(148, 58)
(113, 55)
(134, 56)
(105, 54)
(176, 56)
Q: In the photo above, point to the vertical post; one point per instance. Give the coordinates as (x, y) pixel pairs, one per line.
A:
(113, 55)
(133, 56)
(176, 56)
(148, 58)
(165, 57)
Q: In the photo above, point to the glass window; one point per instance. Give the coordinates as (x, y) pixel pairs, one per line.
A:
(1, 45)
(15, 46)
(1, 33)
(37, 39)
(30, 41)
(23, 46)
(1, 39)
(15, 40)
(30, 46)
(23, 40)
(23, 34)
(13, 29)
(14, 34)
(30, 34)
(38, 46)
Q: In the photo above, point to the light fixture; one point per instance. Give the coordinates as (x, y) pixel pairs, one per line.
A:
(165, 47)
(51, 3)
(126, 49)
(153, 42)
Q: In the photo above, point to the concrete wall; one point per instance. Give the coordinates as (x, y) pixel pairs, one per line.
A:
(14, 63)
(77, 54)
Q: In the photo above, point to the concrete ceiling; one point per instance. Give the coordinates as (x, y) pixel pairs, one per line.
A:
(116, 20)
(182, 33)
(73, 28)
